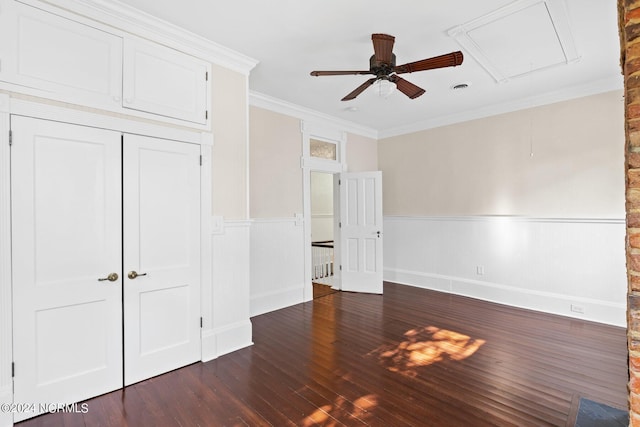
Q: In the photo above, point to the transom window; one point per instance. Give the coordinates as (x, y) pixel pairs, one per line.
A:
(322, 149)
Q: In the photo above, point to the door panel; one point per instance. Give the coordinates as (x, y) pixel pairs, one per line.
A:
(59, 56)
(163, 81)
(162, 243)
(361, 231)
(66, 226)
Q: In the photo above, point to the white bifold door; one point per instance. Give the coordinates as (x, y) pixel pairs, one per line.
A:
(86, 214)
(360, 232)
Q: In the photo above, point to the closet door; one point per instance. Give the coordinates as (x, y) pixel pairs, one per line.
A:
(161, 256)
(67, 257)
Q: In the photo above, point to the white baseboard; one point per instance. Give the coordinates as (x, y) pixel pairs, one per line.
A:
(281, 298)
(593, 310)
(226, 339)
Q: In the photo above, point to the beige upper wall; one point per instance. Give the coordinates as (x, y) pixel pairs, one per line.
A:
(274, 162)
(485, 167)
(229, 163)
(362, 153)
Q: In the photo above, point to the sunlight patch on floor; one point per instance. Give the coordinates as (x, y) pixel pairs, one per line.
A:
(426, 346)
(343, 409)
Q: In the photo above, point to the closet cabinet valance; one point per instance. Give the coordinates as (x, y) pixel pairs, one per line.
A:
(82, 62)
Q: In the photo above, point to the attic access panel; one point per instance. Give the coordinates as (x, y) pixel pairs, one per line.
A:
(520, 38)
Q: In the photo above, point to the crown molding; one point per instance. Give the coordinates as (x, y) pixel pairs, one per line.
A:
(131, 20)
(565, 94)
(267, 102)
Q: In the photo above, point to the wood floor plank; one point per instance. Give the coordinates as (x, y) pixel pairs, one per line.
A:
(410, 357)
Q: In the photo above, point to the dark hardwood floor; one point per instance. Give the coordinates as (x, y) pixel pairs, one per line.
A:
(409, 358)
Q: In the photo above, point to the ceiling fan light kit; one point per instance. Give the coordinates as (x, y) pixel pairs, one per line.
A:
(383, 66)
(383, 88)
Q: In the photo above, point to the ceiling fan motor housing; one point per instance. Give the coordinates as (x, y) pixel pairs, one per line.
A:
(379, 68)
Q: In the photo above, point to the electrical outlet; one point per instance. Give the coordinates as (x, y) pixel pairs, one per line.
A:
(480, 270)
(577, 308)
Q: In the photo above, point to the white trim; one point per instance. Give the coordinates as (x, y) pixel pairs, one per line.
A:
(226, 339)
(247, 153)
(217, 224)
(548, 302)
(6, 329)
(206, 250)
(84, 118)
(291, 219)
(131, 20)
(506, 218)
(270, 103)
(237, 223)
(324, 131)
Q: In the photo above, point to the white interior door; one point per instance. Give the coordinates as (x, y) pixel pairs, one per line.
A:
(361, 231)
(162, 246)
(67, 258)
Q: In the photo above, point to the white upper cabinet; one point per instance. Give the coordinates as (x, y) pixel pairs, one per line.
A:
(52, 53)
(164, 81)
(60, 57)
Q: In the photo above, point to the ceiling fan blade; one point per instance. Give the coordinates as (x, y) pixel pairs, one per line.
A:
(406, 87)
(448, 60)
(339, 73)
(383, 48)
(359, 89)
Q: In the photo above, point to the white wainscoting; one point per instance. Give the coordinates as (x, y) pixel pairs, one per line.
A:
(560, 266)
(277, 264)
(228, 327)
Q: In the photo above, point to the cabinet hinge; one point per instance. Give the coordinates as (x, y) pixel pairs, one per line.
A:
(200, 159)
(201, 322)
(13, 369)
(10, 138)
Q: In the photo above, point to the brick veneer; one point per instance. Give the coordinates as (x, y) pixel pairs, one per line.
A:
(629, 21)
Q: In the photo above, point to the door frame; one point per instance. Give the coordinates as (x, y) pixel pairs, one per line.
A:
(328, 133)
(12, 106)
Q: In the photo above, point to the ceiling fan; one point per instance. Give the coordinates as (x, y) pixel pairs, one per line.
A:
(382, 65)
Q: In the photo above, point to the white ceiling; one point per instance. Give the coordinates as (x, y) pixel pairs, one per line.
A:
(518, 54)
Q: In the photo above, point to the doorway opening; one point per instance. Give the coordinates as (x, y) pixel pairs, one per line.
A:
(322, 234)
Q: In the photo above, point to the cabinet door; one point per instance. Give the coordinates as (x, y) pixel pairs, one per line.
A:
(60, 58)
(67, 250)
(163, 81)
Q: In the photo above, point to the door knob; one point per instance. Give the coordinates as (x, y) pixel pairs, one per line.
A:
(111, 277)
(133, 274)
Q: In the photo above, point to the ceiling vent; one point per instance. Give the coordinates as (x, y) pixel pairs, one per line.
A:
(520, 38)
